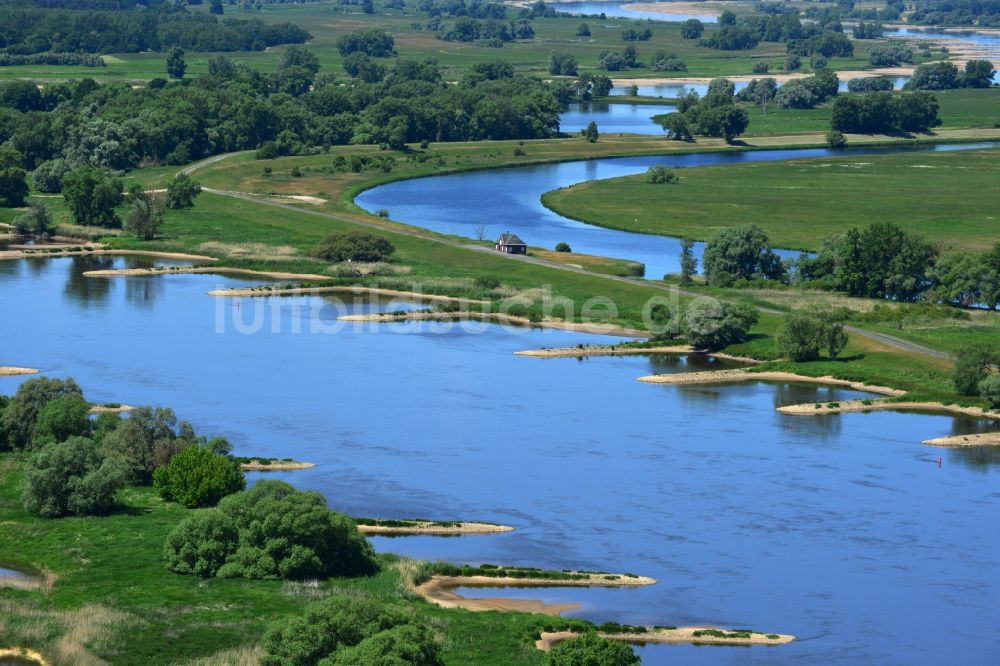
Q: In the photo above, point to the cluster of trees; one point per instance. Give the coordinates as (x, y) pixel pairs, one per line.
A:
(49, 58)
(354, 246)
(26, 30)
(692, 29)
(351, 631)
(803, 93)
(741, 253)
(270, 531)
(802, 337)
(870, 84)
(632, 35)
(967, 278)
(664, 61)
(871, 30)
(891, 12)
(715, 114)
(803, 39)
(614, 61)
(590, 649)
(975, 373)
(881, 112)
(982, 13)
(78, 464)
(889, 54)
(945, 76)
(492, 31)
(116, 127)
(562, 64)
(706, 324)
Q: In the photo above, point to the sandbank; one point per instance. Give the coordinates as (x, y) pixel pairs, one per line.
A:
(87, 250)
(617, 350)
(220, 270)
(435, 529)
(375, 291)
(858, 406)
(424, 315)
(680, 8)
(108, 409)
(439, 590)
(666, 636)
(981, 439)
(743, 375)
(23, 653)
(13, 371)
(275, 466)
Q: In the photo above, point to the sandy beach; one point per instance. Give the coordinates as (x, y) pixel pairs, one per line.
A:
(597, 329)
(14, 371)
(100, 250)
(616, 350)
(275, 466)
(981, 439)
(858, 406)
(682, 8)
(667, 636)
(221, 270)
(23, 653)
(436, 529)
(440, 590)
(357, 291)
(107, 409)
(741, 375)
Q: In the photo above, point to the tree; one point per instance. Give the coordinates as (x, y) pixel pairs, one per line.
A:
(270, 531)
(562, 64)
(692, 29)
(742, 252)
(592, 650)
(675, 124)
(958, 278)
(48, 176)
(658, 175)
(36, 222)
(198, 477)
(934, 76)
(989, 389)
(710, 325)
(92, 197)
(21, 412)
(563, 247)
(299, 56)
(13, 178)
(70, 478)
(406, 644)
(175, 63)
(978, 74)
(372, 42)
(216, 8)
(367, 6)
(973, 366)
(325, 626)
(583, 30)
(354, 246)
(800, 338)
(590, 132)
(834, 336)
(836, 139)
(181, 192)
(62, 418)
(147, 439)
(689, 263)
(145, 214)
(991, 277)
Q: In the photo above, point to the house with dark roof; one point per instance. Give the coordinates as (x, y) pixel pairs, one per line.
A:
(509, 243)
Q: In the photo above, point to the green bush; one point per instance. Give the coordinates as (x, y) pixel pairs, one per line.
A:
(592, 650)
(62, 418)
(21, 412)
(405, 645)
(198, 477)
(658, 175)
(354, 246)
(989, 388)
(972, 367)
(271, 531)
(712, 326)
(70, 478)
(563, 247)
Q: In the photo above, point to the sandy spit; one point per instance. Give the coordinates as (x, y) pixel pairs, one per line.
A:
(845, 75)
(276, 466)
(296, 291)
(423, 527)
(439, 590)
(176, 270)
(13, 371)
(855, 406)
(664, 636)
(105, 409)
(740, 375)
(598, 329)
(23, 653)
(982, 439)
(98, 250)
(611, 350)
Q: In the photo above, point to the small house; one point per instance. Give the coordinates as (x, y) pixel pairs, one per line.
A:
(509, 243)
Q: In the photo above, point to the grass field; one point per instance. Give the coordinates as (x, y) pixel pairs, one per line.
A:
(950, 197)
(112, 597)
(551, 34)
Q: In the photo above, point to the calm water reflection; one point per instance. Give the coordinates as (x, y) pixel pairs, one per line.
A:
(613, 118)
(836, 529)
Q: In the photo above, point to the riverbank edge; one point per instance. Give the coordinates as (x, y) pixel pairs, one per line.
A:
(863, 406)
(103, 249)
(265, 292)
(276, 466)
(751, 374)
(439, 590)
(212, 270)
(549, 639)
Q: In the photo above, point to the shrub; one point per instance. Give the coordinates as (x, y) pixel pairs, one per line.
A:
(182, 190)
(487, 282)
(761, 68)
(62, 418)
(147, 439)
(70, 478)
(22, 411)
(354, 246)
(409, 644)
(972, 367)
(37, 221)
(271, 531)
(711, 325)
(836, 139)
(563, 247)
(659, 175)
(799, 338)
(197, 476)
(48, 176)
(989, 388)
(592, 650)
(519, 153)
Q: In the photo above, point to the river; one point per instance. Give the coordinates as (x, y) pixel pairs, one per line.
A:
(454, 204)
(842, 530)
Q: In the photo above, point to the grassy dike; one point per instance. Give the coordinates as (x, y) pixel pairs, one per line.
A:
(109, 596)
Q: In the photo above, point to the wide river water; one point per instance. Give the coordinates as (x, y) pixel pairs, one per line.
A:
(510, 200)
(843, 530)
